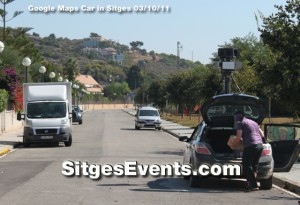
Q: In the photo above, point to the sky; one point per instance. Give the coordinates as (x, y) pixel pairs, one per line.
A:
(199, 25)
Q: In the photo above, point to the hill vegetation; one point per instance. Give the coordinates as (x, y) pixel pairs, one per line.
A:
(271, 66)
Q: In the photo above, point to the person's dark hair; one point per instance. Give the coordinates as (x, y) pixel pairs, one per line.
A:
(239, 115)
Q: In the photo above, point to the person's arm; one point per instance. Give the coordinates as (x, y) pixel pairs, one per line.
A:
(261, 133)
(238, 137)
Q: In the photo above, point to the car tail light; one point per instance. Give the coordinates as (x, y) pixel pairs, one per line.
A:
(266, 151)
(202, 149)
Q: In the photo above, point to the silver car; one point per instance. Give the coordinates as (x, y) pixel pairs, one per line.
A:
(147, 117)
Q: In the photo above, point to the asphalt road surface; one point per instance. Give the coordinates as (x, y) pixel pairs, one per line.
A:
(34, 175)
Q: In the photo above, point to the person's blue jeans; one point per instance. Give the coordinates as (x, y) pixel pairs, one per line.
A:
(251, 155)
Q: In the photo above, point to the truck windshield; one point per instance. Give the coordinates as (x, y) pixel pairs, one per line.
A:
(46, 110)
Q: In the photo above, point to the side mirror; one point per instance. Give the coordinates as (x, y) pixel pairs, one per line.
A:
(19, 116)
(183, 139)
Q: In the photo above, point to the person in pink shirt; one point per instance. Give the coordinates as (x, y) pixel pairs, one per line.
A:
(252, 135)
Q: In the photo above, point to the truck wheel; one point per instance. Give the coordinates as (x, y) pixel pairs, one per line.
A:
(69, 142)
(266, 184)
(25, 143)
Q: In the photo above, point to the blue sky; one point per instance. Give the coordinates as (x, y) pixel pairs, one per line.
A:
(199, 25)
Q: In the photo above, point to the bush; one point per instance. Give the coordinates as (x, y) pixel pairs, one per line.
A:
(3, 99)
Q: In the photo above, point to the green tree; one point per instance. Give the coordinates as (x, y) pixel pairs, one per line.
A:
(157, 93)
(71, 69)
(116, 90)
(255, 57)
(136, 45)
(9, 82)
(52, 37)
(92, 34)
(3, 14)
(134, 77)
(280, 31)
(3, 99)
(190, 87)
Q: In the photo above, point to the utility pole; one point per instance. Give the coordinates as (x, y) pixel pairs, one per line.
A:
(179, 49)
(142, 65)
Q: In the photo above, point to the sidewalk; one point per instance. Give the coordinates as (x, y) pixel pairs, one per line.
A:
(286, 180)
(9, 140)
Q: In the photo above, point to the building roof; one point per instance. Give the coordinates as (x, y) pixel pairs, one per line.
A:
(90, 83)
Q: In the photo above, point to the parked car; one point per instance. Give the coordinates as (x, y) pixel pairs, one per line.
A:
(76, 114)
(208, 143)
(147, 117)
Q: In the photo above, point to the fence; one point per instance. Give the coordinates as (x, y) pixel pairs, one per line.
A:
(105, 106)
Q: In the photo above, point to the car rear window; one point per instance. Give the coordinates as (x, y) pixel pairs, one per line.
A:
(228, 110)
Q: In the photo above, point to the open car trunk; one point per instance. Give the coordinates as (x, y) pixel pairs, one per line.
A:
(217, 139)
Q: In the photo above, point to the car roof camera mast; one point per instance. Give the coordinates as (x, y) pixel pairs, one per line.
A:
(227, 63)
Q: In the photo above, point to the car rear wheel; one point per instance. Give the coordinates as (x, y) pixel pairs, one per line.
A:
(80, 122)
(137, 127)
(266, 184)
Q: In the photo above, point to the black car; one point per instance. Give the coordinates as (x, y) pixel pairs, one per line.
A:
(76, 114)
(208, 143)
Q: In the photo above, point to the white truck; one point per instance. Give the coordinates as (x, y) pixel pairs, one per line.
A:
(47, 113)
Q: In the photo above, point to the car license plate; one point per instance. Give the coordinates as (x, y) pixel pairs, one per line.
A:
(46, 137)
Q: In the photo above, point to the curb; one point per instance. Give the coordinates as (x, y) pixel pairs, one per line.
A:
(169, 132)
(285, 184)
(4, 151)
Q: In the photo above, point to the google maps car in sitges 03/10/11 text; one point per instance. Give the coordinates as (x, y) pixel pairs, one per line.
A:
(147, 117)
(208, 143)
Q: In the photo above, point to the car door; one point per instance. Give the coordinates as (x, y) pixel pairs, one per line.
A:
(189, 142)
(284, 139)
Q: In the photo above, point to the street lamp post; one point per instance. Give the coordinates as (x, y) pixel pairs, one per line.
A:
(115, 100)
(42, 70)
(1, 46)
(51, 75)
(26, 62)
(75, 96)
(59, 79)
(1, 49)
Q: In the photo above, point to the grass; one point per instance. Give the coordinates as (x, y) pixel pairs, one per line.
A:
(193, 121)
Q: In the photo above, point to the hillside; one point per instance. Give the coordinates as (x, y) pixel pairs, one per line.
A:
(85, 51)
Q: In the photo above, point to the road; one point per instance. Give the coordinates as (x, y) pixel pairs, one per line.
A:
(34, 175)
